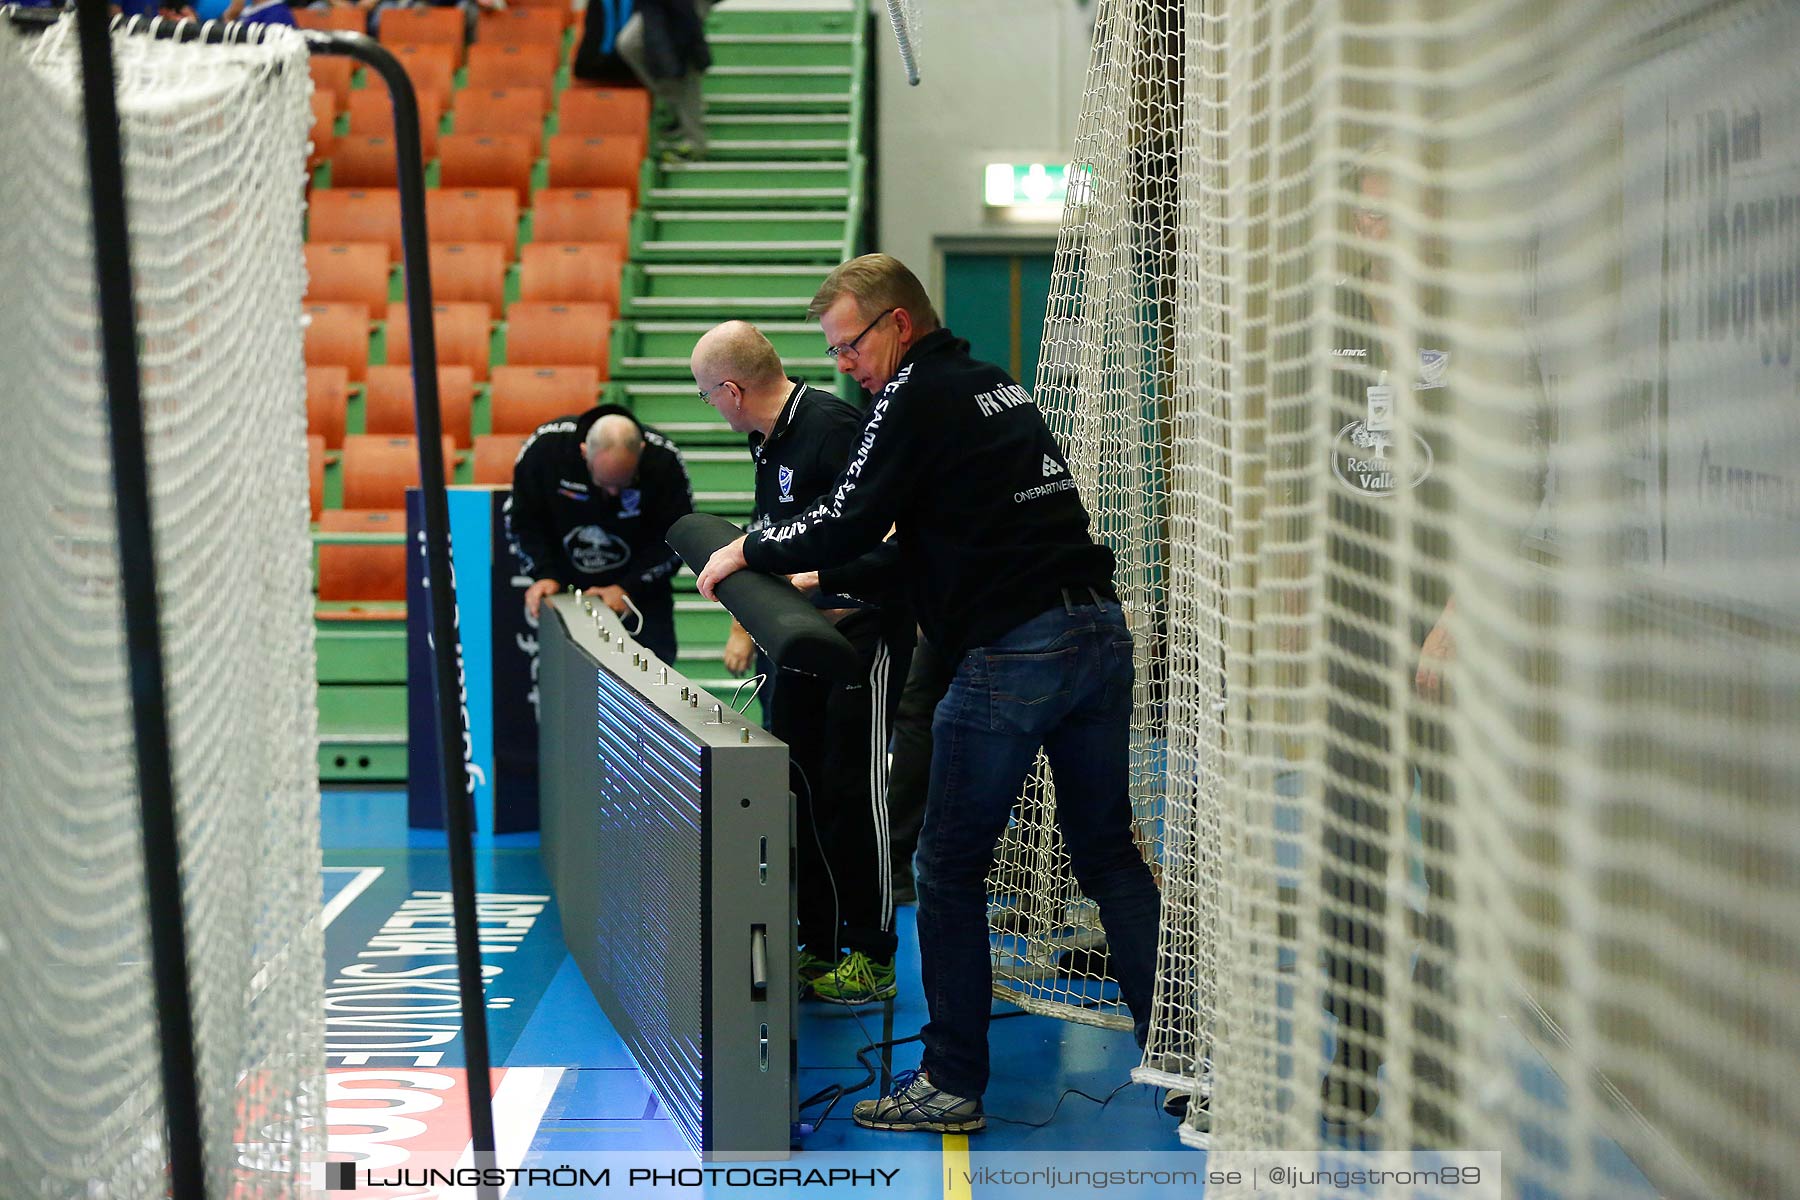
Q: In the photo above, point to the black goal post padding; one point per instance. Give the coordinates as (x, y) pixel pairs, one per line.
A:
(105, 155)
(794, 634)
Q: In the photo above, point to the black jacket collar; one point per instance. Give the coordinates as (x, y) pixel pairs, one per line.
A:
(758, 443)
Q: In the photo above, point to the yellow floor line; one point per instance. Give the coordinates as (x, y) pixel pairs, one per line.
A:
(956, 1167)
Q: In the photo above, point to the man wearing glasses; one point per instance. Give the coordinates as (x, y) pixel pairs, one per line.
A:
(801, 438)
(592, 501)
(995, 555)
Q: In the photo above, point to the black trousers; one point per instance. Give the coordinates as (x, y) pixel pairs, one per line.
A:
(909, 779)
(837, 740)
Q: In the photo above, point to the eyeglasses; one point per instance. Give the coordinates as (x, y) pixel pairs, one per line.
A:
(848, 349)
(706, 393)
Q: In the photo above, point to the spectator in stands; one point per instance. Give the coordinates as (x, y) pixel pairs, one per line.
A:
(996, 557)
(472, 9)
(592, 501)
(260, 12)
(665, 44)
(801, 439)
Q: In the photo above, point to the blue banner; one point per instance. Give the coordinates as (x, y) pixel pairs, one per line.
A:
(498, 660)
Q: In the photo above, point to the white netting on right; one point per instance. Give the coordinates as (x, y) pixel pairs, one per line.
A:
(1431, 369)
(903, 19)
(216, 144)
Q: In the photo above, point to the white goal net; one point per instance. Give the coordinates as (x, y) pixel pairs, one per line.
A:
(1431, 367)
(215, 143)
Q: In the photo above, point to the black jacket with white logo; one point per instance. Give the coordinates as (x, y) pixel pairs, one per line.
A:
(796, 468)
(568, 529)
(803, 455)
(991, 529)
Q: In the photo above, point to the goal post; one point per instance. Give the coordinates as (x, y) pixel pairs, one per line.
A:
(1429, 367)
(206, 139)
(195, 537)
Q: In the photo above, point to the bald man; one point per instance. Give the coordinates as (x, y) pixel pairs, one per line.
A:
(837, 734)
(592, 501)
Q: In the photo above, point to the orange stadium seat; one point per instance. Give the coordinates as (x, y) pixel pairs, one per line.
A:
(462, 331)
(474, 215)
(343, 18)
(315, 474)
(596, 112)
(378, 572)
(558, 335)
(337, 335)
(327, 396)
(378, 469)
(425, 25)
(522, 398)
(562, 8)
(469, 271)
(504, 110)
(606, 161)
(348, 273)
(332, 74)
(570, 271)
(324, 128)
(581, 215)
(357, 215)
(430, 67)
(372, 115)
(521, 27)
(487, 160)
(513, 66)
(495, 454)
(365, 161)
(388, 401)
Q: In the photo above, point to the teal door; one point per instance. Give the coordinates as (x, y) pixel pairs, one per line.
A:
(997, 301)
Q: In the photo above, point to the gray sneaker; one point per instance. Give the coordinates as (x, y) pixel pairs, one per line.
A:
(915, 1105)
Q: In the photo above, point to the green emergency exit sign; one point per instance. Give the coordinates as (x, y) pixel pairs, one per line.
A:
(1010, 185)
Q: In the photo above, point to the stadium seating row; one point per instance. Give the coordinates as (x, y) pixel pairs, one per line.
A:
(461, 215)
(537, 334)
(376, 473)
(487, 139)
(522, 110)
(519, 400)
(498, 160)
(434, 68)
(525, 22)
(362, 273)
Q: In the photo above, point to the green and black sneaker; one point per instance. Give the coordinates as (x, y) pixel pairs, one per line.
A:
(858, 979)
(807, 969)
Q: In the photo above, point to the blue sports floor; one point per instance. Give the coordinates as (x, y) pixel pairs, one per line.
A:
(570, 1086)
(567, 1090)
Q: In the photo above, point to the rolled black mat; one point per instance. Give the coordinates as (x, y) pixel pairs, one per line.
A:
(784, 623)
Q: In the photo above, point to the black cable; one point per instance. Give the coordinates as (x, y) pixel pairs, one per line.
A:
(1067, 1092)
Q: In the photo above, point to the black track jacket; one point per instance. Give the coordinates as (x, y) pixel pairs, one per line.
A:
(569, 530)
(803, 455)
(991, 528)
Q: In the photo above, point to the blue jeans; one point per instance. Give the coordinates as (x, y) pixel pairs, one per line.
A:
(1062, 681)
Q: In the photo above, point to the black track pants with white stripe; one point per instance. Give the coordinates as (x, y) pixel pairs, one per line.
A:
(837, 737)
